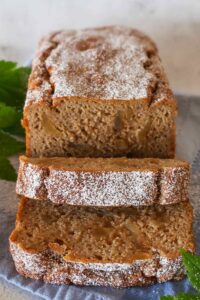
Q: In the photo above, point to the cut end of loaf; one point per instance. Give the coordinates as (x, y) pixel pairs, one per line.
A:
(116, 247)
(120, 235)
(100, 129)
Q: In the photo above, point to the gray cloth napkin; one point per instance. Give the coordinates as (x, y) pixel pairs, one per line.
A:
(188, 147)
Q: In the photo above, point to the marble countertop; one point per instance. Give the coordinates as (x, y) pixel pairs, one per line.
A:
(173, 24)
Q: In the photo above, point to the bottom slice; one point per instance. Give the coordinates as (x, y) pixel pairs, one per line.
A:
(117, 247)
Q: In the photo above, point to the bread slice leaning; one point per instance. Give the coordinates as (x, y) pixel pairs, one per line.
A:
(117, 247)
(104, 181)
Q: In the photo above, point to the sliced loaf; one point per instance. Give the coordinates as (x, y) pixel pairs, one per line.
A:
(99, 92)
(117, 247)
(103, 181)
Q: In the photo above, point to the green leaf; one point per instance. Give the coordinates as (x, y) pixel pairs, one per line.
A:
(8, 116)
(192, 265)
(9, 145)
(181, 297)
(16, 128)
(7, 172)
(13, 83)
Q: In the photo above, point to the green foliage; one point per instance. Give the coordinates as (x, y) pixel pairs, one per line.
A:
(192, 265)
(7, 172)
(8, 116)
(181, 297)
(9, 145)
(13, 84)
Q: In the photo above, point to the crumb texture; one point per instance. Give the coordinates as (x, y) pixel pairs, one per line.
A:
(107, 235)
(117, 243)
(104, 182)
(100, 129)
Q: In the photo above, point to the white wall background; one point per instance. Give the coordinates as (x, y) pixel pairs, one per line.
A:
(173, 24)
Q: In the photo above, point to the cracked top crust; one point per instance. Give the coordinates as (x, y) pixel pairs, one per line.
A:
(108, 63)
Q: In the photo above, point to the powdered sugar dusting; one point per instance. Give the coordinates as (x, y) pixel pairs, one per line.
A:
(30, 180)
(174, 183)
(45, 88)
(105, 188)
(102, 63)
(106, 64)
(53, 269)
(162, 185)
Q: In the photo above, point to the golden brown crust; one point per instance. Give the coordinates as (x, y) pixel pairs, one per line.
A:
(113, 164)
(52, 269)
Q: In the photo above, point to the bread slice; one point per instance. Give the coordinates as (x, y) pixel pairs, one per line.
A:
(117, 247)
(99, 92)
(103, 181)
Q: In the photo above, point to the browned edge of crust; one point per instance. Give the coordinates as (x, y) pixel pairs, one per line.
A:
(42, 264)
(50, 165)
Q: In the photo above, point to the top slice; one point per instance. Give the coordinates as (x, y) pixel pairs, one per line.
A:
(76, 95)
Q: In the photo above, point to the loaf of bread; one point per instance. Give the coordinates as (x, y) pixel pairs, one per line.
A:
(99, 92)
(117, 247)
(103, 181)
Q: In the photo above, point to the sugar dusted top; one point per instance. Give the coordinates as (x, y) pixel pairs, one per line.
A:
(103, 63)
(103, 182)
